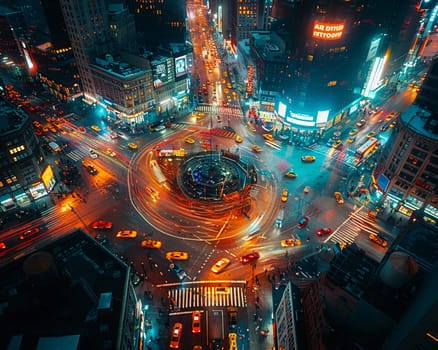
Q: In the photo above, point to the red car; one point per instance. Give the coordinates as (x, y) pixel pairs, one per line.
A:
(102, 225)
(248, 258)
(30, 233)
(324, 231)
(303, 222)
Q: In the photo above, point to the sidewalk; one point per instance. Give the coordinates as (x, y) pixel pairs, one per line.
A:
(156, 316)
(260, 312)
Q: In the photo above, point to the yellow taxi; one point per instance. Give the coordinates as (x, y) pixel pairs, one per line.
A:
(353, 132)
(95, 128)
(177, 256)
(290, 242)
(238, 139)
(284, 195)
(150, 243)
(132, 145)
(232, 338)
(220, 265)
(126, 234)
(189, 140)
(337, 144)
(290, 174)
(256, 148)
(308, 159)
(268, 137)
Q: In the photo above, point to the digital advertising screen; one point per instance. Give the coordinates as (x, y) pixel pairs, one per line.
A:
(327, 30)
(161, 72)
(180, 66)
(281, 109)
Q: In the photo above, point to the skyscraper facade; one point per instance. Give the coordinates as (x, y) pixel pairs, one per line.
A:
(88, 29)
(248, 15)
(338, 53)
(406, 174)
(166, 17)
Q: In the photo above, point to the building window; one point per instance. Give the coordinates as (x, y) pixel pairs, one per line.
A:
(418, 153)
(17, 149)
(422, 145)
(414, 161)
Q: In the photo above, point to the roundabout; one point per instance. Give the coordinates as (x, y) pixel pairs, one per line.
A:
(191, 192)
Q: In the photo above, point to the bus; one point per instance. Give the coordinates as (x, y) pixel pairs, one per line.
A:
(157, 172)
(366, 149)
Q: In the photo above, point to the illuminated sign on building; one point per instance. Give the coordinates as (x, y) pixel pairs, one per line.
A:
(180, 66)
(328, 31)
(281, 109)
(219, 19)
(383, 182)
(374, 79)
(249, 85)
(372, 52)
(322, 116)
(300, 119)
(48, 178)
(162, 69)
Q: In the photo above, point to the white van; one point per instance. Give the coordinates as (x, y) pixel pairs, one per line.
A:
(54, 146)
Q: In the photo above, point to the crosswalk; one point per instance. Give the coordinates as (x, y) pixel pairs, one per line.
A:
(77, 154)
(218, 132)
(231, 111)
(348, 231)
(346, 157)
(204, 296)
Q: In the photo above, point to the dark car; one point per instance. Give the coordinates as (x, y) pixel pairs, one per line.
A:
(232, 317)
(303, 222)
(248, 258)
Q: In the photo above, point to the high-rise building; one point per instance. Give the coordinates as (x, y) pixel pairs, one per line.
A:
(89, 32)
(21, 160)
(122, 28)
(14, 51)
(126, 88)
(248, 15)
(406, 173)
(338, 53)
(159, 22)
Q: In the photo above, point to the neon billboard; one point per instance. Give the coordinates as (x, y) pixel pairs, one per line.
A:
(328, 31)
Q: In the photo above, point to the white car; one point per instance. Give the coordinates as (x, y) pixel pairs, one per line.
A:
(92, 153)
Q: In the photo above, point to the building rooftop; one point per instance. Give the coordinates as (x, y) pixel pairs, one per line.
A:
(11, 118)
(420, 242)
(420, 121)
(269, 45)
(71, 290)
(117, 68)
